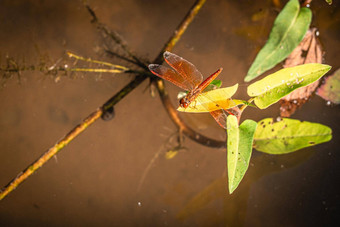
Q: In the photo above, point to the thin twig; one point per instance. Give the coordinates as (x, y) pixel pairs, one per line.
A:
(91, 70)
(114, 67)
(113, 54)
(72, 55)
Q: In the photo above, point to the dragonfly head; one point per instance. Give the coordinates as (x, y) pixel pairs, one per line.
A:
(184, 102)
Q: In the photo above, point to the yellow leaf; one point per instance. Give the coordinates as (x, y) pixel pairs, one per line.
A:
(213, 100)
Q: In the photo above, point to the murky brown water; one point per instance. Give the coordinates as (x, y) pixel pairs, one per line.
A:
(94, 180)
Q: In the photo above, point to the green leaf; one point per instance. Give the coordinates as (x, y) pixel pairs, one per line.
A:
(239, 145)
(288, 30)
(289, 135)
(213, 85)
(272, 88)
(330, 90)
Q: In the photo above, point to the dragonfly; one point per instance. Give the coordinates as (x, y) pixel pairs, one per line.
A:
(186, 76)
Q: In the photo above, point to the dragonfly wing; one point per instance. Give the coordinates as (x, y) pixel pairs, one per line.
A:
(170, 75)
(220, 117)
(186, 69)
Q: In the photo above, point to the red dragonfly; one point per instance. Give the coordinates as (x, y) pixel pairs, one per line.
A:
(186, 76)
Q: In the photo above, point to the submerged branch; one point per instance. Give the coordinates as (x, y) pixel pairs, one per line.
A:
(115, 99)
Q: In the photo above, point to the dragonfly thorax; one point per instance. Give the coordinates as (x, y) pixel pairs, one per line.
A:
(184, 102)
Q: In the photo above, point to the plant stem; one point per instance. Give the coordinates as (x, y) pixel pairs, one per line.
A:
(242, 108)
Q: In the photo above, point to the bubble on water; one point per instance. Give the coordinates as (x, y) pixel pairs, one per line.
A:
(139, 204)
(328, 103)
(278, 119)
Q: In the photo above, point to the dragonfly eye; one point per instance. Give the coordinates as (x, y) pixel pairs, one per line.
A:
(184, 102)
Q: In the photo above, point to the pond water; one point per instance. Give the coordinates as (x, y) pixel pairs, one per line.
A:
(98, 178)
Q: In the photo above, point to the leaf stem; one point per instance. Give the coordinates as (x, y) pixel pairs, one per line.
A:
(242, 108)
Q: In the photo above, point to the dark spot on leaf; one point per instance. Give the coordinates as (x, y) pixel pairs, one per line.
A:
(311, 142)
(263, 126)
(273, 130)
(262, 123)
